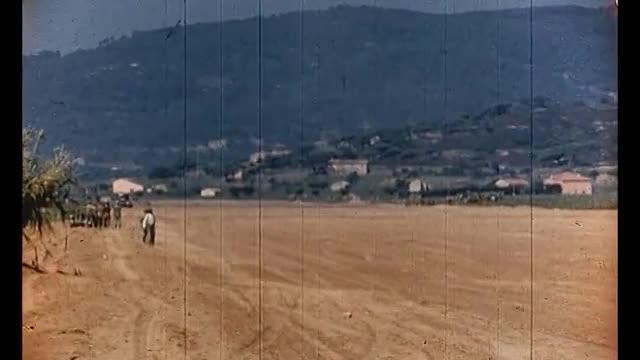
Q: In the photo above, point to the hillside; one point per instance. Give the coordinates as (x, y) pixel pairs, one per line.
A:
(456, 156)
(577, 136)
(351, 69)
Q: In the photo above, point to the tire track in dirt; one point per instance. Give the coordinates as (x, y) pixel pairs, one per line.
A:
(118, 258)
(152, 330)
(145, 321)
(147, 325)
(199, 255)
(142, 330)
(239, 279)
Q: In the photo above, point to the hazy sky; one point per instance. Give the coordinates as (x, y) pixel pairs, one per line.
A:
(66, 25)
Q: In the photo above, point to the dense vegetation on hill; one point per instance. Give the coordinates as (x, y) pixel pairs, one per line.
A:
(331, 74)
(579, 135)
(465, 154)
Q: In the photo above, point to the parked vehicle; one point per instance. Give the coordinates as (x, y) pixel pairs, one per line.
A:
(125, 202)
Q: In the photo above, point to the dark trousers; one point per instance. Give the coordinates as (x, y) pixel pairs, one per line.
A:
(150, 232)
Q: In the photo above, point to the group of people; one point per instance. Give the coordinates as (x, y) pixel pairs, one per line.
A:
(98, 214)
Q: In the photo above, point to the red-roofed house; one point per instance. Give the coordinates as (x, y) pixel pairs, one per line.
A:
(570, 183)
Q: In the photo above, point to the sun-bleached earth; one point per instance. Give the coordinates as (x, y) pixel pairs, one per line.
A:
(286, 281)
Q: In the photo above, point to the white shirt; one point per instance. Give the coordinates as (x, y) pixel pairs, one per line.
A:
(148, 220)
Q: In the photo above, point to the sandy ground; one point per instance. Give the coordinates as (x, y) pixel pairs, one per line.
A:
(361, 282)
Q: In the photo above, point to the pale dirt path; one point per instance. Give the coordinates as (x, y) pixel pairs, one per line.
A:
(118, 309)
(145, 305)
(140, 266)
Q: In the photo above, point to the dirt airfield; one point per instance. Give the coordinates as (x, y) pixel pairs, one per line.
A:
(338, 282)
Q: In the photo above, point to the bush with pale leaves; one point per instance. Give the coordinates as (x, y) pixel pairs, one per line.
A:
(44, 183)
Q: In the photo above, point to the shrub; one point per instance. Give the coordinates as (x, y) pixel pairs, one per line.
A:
(45, 185)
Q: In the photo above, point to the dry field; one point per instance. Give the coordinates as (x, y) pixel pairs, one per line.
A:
(349, 282)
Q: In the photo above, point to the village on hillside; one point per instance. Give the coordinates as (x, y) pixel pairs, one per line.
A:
(485, 158)
(356, 180)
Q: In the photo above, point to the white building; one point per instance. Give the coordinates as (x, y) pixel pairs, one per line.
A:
(339, 186)
(125, 186)
(237, 175)
(209, 192)
(348, 166)
(417, 186)
(259, 156)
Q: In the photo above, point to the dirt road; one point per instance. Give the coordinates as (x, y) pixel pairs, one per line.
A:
(361, 282)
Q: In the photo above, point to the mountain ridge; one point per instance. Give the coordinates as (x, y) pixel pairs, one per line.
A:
(356, 68)
(85, 25)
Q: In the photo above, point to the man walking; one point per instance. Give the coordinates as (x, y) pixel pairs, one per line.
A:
(149, 227)
(117, 215)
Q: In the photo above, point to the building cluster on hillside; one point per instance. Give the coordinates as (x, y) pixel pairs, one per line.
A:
(408, 182)
(127, 187)
(565, 183)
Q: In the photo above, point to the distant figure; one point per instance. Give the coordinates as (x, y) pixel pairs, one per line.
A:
(117, 215)
(91, 215)
(99, 214)
(149, 227)
(106, 215)
(79, 217)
